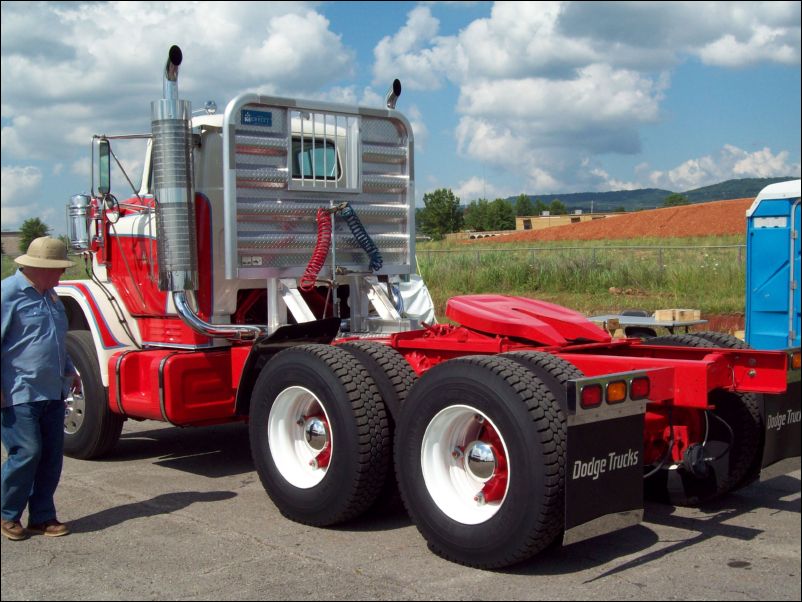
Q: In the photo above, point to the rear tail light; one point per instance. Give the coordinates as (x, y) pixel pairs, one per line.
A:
(795, 360)
(591, 396)
(640, 388)
(616, 391)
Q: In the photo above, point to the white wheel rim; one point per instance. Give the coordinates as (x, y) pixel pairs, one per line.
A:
(292, 454)
(74, 410)
(451, 483)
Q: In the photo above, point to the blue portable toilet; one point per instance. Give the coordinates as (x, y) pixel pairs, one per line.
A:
(773, 268)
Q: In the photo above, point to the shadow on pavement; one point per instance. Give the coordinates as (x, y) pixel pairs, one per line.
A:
(161, 504)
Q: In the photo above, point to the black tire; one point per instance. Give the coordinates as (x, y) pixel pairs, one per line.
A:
(532, 428)
(390, 371)
(753, 402)
(678, 340)
(552, 370)
(91, 429)
(394, 378)
(639, 332)
(721, 339)
(734, 439)
(356, 420)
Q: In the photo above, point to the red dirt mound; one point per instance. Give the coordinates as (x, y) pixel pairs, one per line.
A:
(715, 218)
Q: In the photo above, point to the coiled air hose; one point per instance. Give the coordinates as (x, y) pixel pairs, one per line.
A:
(324, 232)
(363, 238)
(318, 260)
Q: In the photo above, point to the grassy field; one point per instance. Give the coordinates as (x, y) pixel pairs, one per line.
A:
(590, 277)
(595, 277)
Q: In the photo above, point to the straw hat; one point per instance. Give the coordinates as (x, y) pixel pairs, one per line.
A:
(45, 252)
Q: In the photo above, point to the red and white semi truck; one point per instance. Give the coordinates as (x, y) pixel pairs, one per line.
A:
(259, 274)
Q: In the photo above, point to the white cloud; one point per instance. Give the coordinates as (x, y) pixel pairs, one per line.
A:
(731, 162)
(57, 90)
(404, 56)
(764, 45)
(544, 85)
(352, 95)
(19, 184)
(419, 129)
(292, 50)
(21, 187)
(479, 188)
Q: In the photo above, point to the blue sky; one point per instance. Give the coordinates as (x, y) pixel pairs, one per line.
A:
(504, 98)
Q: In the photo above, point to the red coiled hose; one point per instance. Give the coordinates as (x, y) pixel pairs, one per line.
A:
(318, 260)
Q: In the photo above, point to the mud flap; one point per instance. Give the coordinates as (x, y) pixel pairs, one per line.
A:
(782, 415)
(604, 468)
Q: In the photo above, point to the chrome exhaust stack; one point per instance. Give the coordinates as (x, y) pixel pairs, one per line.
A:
(173, 184)
(392, 94)
(175, 206)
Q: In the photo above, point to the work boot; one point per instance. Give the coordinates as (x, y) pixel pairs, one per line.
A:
(12, 529)
(50, 528)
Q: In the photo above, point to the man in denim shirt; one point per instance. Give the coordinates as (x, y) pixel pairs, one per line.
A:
(36, 374)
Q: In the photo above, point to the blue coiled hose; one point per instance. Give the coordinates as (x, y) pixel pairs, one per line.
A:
(362, 237)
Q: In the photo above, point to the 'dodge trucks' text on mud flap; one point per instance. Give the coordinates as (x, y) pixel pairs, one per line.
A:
(604, 468)
(782, 418)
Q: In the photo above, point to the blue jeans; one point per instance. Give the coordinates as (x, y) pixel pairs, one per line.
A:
(33, 435)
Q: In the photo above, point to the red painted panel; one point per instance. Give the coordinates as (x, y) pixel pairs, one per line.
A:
(170, 331)
(132, 259)
(239, 355)
(197, 386)
(139, 383)
(133, 268)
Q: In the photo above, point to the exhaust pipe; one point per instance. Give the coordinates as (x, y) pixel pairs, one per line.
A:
(392, 94)
(222, 331)
(175, 205)
(170, 82)
(172, 178)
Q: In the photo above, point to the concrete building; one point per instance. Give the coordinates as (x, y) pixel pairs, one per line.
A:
(540, 222)
(11, 243)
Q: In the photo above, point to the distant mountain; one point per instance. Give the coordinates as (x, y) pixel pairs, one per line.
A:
(650, 198)
(732, 189)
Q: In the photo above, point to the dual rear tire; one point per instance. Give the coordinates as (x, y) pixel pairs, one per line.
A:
(479, 447)
(480, 460)
(319, 434)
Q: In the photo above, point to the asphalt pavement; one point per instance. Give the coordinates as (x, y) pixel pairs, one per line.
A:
(180, 514)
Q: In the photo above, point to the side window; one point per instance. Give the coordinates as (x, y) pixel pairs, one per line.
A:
(314, 160)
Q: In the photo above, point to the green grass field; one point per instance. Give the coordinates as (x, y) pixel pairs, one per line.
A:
(595, 277)
(590, 277)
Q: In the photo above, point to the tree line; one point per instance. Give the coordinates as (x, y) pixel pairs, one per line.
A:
(443, 213)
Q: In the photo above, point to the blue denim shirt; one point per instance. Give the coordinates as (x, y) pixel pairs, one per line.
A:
(35, 366)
